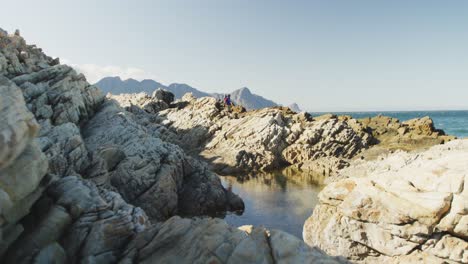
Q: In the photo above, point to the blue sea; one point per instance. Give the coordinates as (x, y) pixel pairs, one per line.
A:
(452, 122)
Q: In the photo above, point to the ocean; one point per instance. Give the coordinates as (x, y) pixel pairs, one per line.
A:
(452, 122)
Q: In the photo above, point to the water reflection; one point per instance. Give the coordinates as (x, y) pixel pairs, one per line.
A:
(280, 200)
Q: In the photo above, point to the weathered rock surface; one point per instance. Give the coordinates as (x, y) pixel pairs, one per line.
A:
(22, 164)
(76, 221)
(404, 208)
(158, 101)
(237, 141)
(151, 173)
(116, 148)
(163, 95)
(414, 134)
(73, 165)
(213, 241)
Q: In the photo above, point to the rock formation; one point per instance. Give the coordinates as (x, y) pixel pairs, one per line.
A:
(235, 141)
(415, 134)
(213, 241)
(402, 209)
(74, 166)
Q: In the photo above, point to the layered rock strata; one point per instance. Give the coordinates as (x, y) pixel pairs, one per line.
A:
(405, 208)
(236, 141)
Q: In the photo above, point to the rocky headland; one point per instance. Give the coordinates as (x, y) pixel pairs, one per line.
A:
(82, 180)
(236, 141)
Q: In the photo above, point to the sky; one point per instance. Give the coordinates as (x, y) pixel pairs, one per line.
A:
(324, 55)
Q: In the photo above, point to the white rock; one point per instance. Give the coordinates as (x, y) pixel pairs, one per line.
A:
(405, 206)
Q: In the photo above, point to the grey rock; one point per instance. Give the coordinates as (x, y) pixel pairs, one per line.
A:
(213, 241)
(17, 124)
(154, 175)
(84, 220)
(47, 231)
(140, 103)
(53, 253)
(22, 164)
(163, 95)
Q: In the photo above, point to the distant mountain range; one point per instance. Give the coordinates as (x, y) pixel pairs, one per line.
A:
(243, 96)
(115, 85)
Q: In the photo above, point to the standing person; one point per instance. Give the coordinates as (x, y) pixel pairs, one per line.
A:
(228, 102)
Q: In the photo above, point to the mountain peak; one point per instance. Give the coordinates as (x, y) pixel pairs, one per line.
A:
(131, 80)
(295, 107)
(242, 96)
(247, 99)
(243, 91)
(111, 78)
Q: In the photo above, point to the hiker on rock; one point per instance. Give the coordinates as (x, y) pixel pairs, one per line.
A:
(227, 101)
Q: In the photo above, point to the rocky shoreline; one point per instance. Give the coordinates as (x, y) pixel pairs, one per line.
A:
(86, 178)
(236, 141)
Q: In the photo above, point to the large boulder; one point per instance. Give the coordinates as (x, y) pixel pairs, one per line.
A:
(75, 220)
(406, 207)
(163, 95)
(22, 164)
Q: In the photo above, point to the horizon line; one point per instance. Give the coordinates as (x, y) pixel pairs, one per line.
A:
(388, 111)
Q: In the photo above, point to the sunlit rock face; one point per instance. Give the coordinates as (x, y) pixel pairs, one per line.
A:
(405, 208)
(410, 135)
(235, 141)
(74, 166)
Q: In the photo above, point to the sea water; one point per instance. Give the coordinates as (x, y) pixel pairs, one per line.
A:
(452, 122)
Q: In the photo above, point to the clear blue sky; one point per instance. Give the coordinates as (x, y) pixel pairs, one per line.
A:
(325, 55)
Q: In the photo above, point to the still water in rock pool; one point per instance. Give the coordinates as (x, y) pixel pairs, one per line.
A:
(276, 200)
